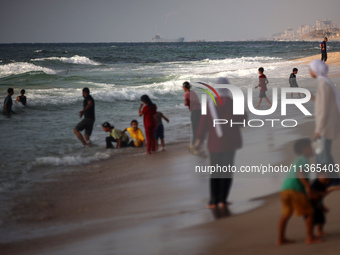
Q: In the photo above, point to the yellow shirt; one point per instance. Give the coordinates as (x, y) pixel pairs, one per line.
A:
(136, 136)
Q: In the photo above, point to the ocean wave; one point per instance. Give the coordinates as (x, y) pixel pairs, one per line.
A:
(112, 92)
(79, 60)
(101, 92)
(22, 67)
(69, 160)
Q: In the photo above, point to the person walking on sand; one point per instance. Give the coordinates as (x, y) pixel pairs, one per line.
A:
(22, 98)
(223, 141)
(324, 50)
(148, 112)
(292, 81)
(263, 81)
(191, 100)
(295, 194)
(89, 118)
(327, 114)
(8, 102)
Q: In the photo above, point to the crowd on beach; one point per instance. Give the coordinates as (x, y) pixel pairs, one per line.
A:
(298, 194)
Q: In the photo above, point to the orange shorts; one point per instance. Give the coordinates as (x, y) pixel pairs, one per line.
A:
(294, 201)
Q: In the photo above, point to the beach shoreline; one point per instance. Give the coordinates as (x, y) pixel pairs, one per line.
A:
(118, 198)
(333, 59)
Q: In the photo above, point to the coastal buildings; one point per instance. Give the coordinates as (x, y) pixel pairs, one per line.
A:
(322, 28)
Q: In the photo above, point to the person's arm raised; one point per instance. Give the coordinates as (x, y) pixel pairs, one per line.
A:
(140, 110)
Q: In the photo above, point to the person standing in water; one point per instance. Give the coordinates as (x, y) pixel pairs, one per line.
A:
(191, 100)
(263, 81)
(22, 98)
(7, 111)
(159, 134)
(324, 50)
(292, 81)
(89, 118)
(148, 110)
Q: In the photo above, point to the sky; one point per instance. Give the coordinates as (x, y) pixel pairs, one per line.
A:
(46, 21)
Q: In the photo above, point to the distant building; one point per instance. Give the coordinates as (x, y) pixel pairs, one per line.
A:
(321, 29)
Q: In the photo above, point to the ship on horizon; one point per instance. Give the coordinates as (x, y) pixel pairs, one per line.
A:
(158, 38)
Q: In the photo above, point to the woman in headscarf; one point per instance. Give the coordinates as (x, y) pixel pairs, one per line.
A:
(327, 111)
(223, 141)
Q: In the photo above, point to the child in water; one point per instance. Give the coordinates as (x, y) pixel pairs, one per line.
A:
(22, 98)
(263, 81)
(159, 134)
(136, 134)
(114, 136)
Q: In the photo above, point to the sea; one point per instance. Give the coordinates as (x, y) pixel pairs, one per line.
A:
(39, 136)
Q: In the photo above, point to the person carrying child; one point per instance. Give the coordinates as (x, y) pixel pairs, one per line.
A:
(296, 192)
(320, 188)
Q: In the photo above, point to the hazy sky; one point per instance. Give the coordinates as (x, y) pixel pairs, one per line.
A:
(136, 20)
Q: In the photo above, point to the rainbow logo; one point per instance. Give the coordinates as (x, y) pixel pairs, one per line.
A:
(209, 93)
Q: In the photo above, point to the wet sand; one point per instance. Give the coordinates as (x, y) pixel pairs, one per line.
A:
(333, 58)
(140, 204)
(136, 206)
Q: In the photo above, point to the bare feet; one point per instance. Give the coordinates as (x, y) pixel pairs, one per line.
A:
(211, 206)
(285, 241)
(314, 241)
(221, 205)
(322, 234)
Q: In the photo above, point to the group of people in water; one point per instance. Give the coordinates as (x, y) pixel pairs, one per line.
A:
(154, 129)
(8, 102)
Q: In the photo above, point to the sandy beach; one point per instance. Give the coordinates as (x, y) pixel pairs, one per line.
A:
(138, 204)
(332, 59)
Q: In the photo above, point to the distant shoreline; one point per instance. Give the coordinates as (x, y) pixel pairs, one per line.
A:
(193, 41)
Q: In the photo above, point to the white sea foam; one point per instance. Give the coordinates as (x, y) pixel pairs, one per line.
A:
(70, 160)
(101, 92)
(22, 67)
(80, 60)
